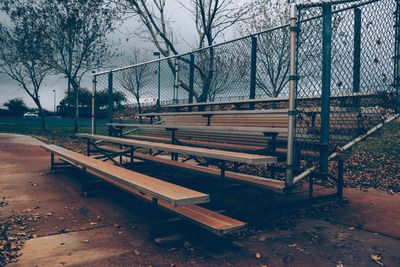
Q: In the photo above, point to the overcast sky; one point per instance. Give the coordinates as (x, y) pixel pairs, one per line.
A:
(182, 24)
(123, 37)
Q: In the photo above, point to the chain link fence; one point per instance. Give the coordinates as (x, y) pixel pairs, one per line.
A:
(346, 64)
(345, 70)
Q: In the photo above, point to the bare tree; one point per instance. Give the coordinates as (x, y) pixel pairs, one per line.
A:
(135, 80)
(273, 46)
(75, 35)
(229, 72)
(211, 18)
(20, 44)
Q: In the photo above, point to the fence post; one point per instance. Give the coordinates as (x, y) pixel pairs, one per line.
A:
(292, 95)
(159, 85)
(176, 82)
(94, 104)
(357, 56)
(253, 70)
(326, 86)
(397, 58)
(110, 98)
(191, 80)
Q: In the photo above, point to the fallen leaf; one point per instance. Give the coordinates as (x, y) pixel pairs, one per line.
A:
(262, 237)
(377, 258)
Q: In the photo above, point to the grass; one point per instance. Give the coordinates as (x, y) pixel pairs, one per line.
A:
(386, 141)
(62, 127)
(60, 130)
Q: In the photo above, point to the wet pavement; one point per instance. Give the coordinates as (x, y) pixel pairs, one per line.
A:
(114, 229)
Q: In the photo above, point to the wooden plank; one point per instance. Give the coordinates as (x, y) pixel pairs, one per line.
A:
(265, 183)
(208, 219)
(174, 194)
(230, 129)
(228, 112)
(195, 151)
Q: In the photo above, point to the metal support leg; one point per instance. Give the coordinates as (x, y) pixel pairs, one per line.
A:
(222, 183)
(120, 156)
(174, 156)
(235, 167)
(88, 147)
(223, 167)
(132, 154)
(208, 119)
(310, 187)
(340, 181)
(52, 162)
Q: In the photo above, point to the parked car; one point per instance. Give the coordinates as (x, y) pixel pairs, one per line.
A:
(31, 115)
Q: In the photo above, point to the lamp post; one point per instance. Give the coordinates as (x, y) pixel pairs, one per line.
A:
(54, 92)
(158, 54)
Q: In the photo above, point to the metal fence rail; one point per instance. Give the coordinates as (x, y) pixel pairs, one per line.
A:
(344, 76)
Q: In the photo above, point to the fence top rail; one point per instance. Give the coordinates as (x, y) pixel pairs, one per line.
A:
(269, 99)
(333, 2)
(193, 51)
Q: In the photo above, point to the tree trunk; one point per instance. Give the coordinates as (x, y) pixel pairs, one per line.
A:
(42, 113)
(75, 86)
(140, 112)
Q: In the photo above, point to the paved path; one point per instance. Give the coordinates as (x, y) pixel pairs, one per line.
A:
(113, 231)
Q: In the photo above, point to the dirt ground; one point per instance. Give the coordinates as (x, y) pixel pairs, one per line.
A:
(46, 222)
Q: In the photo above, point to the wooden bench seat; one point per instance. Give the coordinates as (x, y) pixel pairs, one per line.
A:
(266, 183)
(214, 129)
(218, 113)
(210, 220)
(194, 151)
(196, 143)
(246, 148)
(158, 189)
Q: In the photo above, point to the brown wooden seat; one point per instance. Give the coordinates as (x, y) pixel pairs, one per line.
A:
(208, 219)
(216, 129)
(158, 189)
(270, 184)
(195, 151)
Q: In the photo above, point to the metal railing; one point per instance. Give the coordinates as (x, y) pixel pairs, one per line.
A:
(335, 66)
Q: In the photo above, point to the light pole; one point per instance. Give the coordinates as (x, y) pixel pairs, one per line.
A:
(54, 91)
(159, 80)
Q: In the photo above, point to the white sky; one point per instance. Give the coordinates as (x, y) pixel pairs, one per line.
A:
(182, 24)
